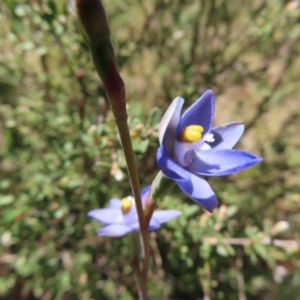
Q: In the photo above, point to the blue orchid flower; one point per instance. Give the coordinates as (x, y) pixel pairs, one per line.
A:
(190, 148)
(120, 217)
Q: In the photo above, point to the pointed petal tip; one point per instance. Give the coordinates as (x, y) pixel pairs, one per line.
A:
(91, 213)
(106, 215)
(223, 162)
(178, 99)
(95, 214)
(94, 211)
(209, 91)
(211, 210)
(258, 159)
(201, 112)
(210, 205)
(255, 159)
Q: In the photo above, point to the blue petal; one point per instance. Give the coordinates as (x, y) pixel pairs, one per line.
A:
(153, 225)
(135, 226)
(223, 162)
(163, 216)
(171, 168)
(169, 123)
(131, 216)
(201, 192)
(226, 136)
(200, 112)
(114, 230)
(106, 215)
(114, 203)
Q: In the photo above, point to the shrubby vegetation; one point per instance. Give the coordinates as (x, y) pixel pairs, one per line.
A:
(60, 154)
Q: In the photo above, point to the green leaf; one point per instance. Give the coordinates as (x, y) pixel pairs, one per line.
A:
(6, 199)
(221, 250)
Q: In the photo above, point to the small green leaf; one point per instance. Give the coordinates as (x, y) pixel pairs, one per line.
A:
(221, 250)
(155, 117)
(6, 199)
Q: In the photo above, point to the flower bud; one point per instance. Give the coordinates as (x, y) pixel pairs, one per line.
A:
(92, 19)
(93, 24)
(104, 61)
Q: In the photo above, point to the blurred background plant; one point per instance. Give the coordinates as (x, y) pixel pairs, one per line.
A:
(60, 154)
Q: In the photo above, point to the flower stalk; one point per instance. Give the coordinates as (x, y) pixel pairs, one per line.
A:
(93, 24)
(135, 244)
(135, 186)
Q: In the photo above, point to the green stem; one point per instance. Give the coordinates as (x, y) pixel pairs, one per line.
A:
(135, 186)
(140, 282)
(135, 249)
(95, 29)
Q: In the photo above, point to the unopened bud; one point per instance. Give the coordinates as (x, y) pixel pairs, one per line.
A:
(92, 19)
(93, 24)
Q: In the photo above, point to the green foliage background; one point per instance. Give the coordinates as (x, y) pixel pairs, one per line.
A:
(60, 155)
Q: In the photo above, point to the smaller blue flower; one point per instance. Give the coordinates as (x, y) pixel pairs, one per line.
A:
(191, 148)
(120, 217)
